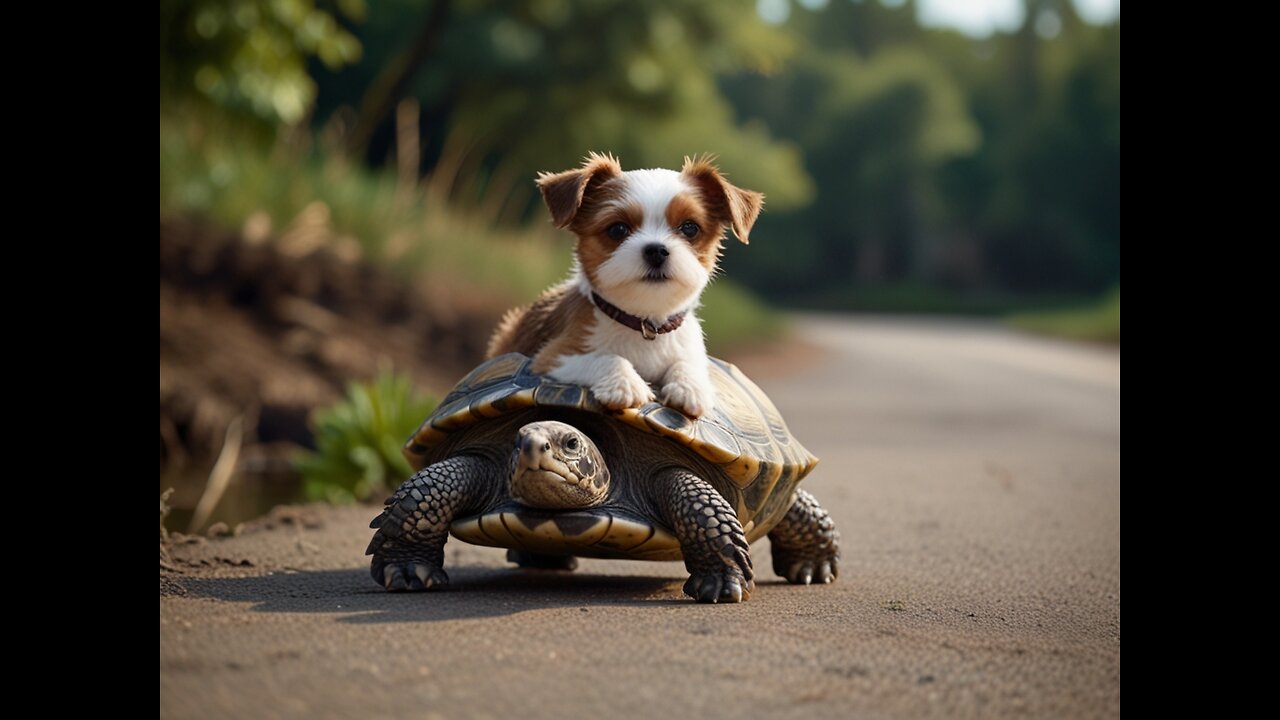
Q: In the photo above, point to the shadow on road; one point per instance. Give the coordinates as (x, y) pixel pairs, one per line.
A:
(474, 593)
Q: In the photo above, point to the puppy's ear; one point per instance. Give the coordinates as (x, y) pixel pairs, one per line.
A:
(732, 205)
(563, 192)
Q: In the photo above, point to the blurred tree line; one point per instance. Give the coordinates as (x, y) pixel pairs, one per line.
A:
(944, 161)
(892, 155)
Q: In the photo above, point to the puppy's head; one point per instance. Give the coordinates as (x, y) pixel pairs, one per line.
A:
(649, 240)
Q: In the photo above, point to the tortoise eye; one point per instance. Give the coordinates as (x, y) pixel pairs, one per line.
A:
(571, 443)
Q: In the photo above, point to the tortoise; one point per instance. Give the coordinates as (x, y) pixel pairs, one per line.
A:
(514, 459)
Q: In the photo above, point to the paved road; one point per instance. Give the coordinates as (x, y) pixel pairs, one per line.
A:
(974, 476)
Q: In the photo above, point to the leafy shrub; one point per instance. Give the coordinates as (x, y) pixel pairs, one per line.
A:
(358, 440)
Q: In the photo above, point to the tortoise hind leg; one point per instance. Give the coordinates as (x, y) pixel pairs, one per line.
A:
(541, 561)
(806, 546)
(715, 548)
(408, 549)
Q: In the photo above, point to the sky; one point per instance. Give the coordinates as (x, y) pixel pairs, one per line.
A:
(978, 18)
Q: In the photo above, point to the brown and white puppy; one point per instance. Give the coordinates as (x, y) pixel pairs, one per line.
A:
(648, 243)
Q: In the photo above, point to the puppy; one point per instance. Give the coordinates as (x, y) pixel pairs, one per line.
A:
(648, 243)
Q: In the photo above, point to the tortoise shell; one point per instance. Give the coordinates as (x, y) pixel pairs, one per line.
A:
(744, 436)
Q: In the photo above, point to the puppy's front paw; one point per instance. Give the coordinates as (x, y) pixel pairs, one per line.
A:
(688, 397)
(622, 390)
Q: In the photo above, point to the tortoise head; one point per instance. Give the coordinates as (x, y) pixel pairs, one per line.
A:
(555, 466)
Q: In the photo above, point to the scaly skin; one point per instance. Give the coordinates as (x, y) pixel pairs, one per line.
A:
(715, 548)
(408, 549)
(559, 466)
(806, 546)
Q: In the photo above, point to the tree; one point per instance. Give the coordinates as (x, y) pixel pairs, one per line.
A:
(249, 56)
(520, 86)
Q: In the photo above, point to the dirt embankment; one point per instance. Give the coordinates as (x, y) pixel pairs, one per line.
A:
(268, 328)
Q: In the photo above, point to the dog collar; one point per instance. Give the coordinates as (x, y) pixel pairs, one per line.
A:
(643, 326)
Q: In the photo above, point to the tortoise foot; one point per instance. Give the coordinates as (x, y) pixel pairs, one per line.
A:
(408, 574)
(818, 567)
(540, 561)
(725, 586)
(715, 548)
(408, 547)
(806, 546)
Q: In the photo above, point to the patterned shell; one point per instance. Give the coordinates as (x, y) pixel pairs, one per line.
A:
(744, 435)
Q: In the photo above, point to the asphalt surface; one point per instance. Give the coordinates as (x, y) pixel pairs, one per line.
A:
(974, 476)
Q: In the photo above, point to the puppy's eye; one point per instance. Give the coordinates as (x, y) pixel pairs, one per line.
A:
(690, 229)
(571, 443)
(618, 232)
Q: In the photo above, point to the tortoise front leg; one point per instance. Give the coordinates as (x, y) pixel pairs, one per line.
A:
(806, 546)
(715, 548)
(408, 549)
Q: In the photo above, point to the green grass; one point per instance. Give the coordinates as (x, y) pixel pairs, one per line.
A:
(917, 298)
(237, 178)
(733, 318)
(1099, 322)
(229, 175)
(358, 440)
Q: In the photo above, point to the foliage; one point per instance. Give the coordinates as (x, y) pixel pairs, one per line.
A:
(250, 56)
(973, 167)
(927, 299)
(734, 318)
(519, 86)
(1099, 322)
(211, 167)
(358, 440)
(893, 156)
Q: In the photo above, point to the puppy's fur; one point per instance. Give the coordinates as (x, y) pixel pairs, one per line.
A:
(634, 250)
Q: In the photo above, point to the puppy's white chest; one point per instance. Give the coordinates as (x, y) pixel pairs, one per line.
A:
(651, 358)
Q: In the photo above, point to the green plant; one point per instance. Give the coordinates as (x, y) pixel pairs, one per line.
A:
(250, 56)
(1099, 322)
(230, 176)
(733, 318)
(212, 167)
(358, 440)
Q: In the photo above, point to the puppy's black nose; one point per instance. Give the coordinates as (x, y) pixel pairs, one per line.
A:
(655, 254)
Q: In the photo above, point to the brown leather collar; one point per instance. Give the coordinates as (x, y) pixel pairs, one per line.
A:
(641, 325)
